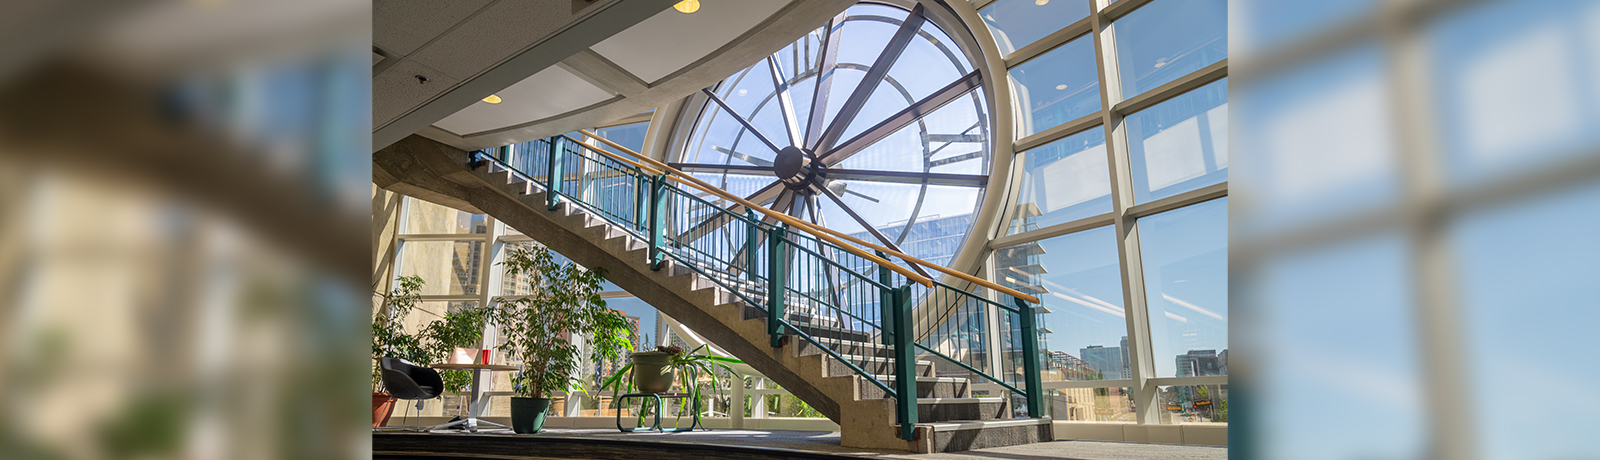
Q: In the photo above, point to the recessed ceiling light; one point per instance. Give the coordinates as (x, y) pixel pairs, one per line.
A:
(492, 99)
(1061, 87)
(743, 91)
(689, 6)
(1040, 2)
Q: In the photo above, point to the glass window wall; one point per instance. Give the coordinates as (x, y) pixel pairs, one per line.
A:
(1059, 86)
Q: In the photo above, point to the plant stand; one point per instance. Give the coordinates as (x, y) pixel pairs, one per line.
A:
(622, 402)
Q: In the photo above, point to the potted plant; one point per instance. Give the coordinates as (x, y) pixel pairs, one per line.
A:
(564, 301)
(459, 328)
(654, 372)
(390, 339)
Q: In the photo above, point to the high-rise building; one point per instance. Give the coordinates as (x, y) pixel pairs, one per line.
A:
(1107, 360)
(1199, 363)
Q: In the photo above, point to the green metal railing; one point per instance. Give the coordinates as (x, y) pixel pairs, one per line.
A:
(872, 320)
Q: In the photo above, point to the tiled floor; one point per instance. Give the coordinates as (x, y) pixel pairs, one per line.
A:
(828, 442)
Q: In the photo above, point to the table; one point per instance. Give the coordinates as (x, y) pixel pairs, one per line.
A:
(622, 402)
(471, 421)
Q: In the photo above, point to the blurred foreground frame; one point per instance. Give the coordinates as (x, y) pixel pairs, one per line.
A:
(168, 290)
(1431, 203)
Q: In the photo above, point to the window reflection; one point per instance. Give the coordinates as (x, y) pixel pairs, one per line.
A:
(428, 218)
(1181, 144)
(446, 267)
(1057, 87)
(1307, 312)
(1063, 181)
(630, 136)
(1018, 23)
(1078, 279)
(1516, 87)
(1185, 255)
(1527, 299)
(1167, 39)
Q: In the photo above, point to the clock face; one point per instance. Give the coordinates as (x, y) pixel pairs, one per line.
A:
(872, 125)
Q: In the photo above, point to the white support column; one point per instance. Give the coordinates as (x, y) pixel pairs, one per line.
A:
(758, 410)
(736, 410)
(489, 281)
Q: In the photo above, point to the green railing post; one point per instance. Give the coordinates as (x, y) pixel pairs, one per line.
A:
(658, 211)
(1030, 356)
(905, 364)
(552, 196)
(886, 299)
(777, 275)
(751, 245)
(641, 190)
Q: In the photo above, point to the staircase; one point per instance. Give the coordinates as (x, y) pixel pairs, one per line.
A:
(838, 331)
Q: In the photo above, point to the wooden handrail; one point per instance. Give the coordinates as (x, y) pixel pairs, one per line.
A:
(824, 232)
(612, 156)
(691, 181)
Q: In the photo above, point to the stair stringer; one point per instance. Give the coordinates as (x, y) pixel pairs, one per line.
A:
(688, 297)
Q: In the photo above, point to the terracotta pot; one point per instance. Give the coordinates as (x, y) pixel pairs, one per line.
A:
(382, 408)
(527, 414)
(651, 372)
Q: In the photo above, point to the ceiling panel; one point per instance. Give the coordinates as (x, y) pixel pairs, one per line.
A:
(550, 92)
(407, 25)
(671, 40)
(490, 37)
(397, 89)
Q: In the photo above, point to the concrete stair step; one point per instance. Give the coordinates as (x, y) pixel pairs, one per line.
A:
(872, 365)
(931, 410)
(927, 387)
(955, 436)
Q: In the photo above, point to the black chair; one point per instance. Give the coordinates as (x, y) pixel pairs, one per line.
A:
(409, 381)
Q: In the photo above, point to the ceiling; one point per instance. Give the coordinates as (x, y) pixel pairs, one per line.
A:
(671, 40)
(528, 100)
(612, 64)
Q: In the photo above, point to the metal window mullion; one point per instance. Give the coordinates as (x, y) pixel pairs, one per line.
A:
(1074, 31)
(1141, 360)
(1192, 197)
(490, 254)
(1439, 323)
(1211, 73)
(1057, 132)
(1066, 228)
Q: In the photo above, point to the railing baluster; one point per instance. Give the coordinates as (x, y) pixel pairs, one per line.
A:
(777, 267)
(553, 184)
(886, 302)
(658, 203)
(1030, 356)
(752, 234)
